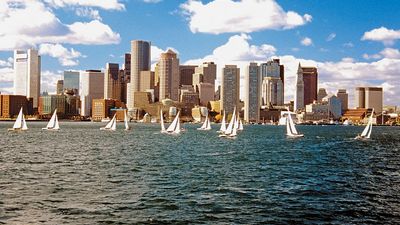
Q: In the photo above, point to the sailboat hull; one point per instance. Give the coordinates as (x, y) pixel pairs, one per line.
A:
(52, 129)
(294, 135)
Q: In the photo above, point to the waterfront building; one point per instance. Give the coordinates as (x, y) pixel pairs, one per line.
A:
(344, 98)
(91, 87)
(140, 61)
(47, 105)
(230, 88)
(71, 81)
(10, 105)
(27, 70)
(216, 106)
(72, 104)
(60, 87)
(189, 98)
(142, 99)
(370, 98)
(272, 91)
(276, 71)
(186, 74)
(206, 93)
(112, 82)
(306, 86)
(252, 93)
(321, 94)
(102, 109)
(168, 70)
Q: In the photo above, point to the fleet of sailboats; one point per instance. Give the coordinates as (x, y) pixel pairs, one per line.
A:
(206, 125)
(20, 123)
(231, 130)
(53, 123)
(291, 130)
(366, 134)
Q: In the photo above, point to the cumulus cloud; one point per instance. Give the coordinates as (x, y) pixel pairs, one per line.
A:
(45, 27)
(89, 13)
(226, 16)
(382, 34)
(346, 73)
(306, 41)
(49, 80)
(65, 57)
(104, 4)
(390, 53)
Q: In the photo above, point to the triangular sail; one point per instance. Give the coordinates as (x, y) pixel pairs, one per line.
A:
(172, 126)
(56, 125)
(114, 123)
(110, 123)
(178, 126)
(231, 123)
(292, 127)
(162, 121)
(24, 126)
(240, 125)
(208, 126)
(126, 121)
(223, 124)
(52, 122)
(368, 129)
(18, 122)
(204, 126)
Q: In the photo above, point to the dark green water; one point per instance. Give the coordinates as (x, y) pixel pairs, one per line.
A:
(81, 175)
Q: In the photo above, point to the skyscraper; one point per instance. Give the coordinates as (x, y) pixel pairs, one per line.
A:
(27, 69)
(91, 87)
(168, 70)
(146, 80)
(272, 83)
(60, 87)
(230, 88)
(186, 74)
(370, 98)
(306, 86)
(71, 81)
(344, 98)
(252, 93)
(112, 82)
(140, 61)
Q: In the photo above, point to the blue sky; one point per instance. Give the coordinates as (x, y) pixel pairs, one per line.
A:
(351, 42)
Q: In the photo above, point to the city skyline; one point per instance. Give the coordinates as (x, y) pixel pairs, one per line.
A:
(80, 35)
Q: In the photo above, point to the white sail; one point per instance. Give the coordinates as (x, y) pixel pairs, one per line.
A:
(291, 130)
(237, 122)
(114, 123)
(240, 125)
(368, 129)
(24, 126)
(126, 122)
(18, 122)
(53, 123)
(178, 126)
(173, 127)
(162, 122)
(292, 127)
(223, 125)
(56, 125)
(208, 127)
(231, 123)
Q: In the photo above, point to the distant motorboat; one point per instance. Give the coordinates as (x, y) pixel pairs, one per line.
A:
(291, 130)
(112, 125)
(20, 123)
(53, 123)
(366, 134)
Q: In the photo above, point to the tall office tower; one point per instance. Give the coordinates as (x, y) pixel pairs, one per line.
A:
(27, 67)
(168, 71)
(321, 94)
(127, 67)
(140, 61)
(91, 86)
(344, 98)
(112, 82)
(146, 80)
(271, 91)
(370, 98)
(252, 93)
(306, 86)
(276, 75)
(186, 74)
(71, 81)
(230, 88)
(60, 87)
(209, 71)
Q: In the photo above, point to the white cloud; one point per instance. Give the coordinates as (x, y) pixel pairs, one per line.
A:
(45, 27)
(6, 75)
(390, 53)
(89, 13)
(152, 1)
(65, 57)
(104, 4)
(49, 80)
(346, 73)
(382, 34)
(331, 37)
(156, 53)
(372, 56)
(225, 16)
(306, 41)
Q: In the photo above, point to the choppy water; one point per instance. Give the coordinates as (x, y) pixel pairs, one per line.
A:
(82, 175)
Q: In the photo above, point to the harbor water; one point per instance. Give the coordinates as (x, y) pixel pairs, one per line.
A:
(81, 175)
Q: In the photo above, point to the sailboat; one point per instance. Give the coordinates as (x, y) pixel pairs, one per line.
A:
(163, 130)
(366, 134)
(206, 125)
(112, 125)
(240, 125)
(20, 123)
(53, 123)
(126, 121)
(291, 130)
(223, 125)
(231, 130)
(175, 126)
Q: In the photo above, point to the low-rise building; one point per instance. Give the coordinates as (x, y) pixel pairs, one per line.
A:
(47, 105)
(10, 105)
